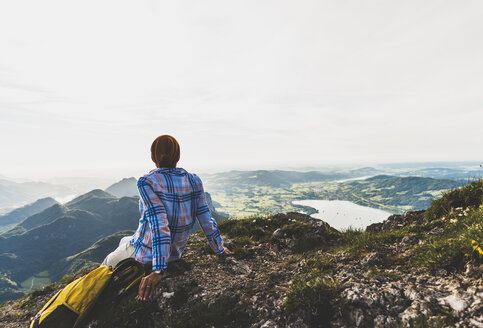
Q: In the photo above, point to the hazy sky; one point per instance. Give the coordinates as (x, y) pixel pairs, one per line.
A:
(86, 86)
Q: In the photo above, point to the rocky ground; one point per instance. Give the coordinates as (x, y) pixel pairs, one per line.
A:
(290, 270)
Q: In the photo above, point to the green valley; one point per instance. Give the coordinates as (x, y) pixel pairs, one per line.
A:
(390, 193)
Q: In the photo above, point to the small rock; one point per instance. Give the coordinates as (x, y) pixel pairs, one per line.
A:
(371, 259)
(435, 231)
(406, 240)
(456, 302)
(269, 324)
(277, 233)
(168, 295)
(357, 317)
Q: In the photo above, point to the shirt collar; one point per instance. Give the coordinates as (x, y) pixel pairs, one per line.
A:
(175, 170)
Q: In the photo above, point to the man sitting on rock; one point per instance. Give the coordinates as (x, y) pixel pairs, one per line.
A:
(171, 199)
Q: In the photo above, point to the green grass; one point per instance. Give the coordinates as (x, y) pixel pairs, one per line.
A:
(459, 213)
(255, 230)
(356, 243)
(39, 280)
(453, 248)
(293, 259)
(202, 247)
(374, 274)
(314, 291)
(222, 312)
(469, 196)
(313, 300)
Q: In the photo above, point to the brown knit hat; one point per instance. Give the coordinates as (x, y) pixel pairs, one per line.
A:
(165, 151)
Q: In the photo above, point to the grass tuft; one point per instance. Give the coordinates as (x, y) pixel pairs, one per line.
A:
(454, 246)
(470, 195)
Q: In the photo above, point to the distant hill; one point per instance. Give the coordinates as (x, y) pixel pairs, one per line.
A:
(91, 256)
(409, 184)
(218, 216)
(91, 201)
(278, 178)
(46, 216)
(21, 213)
(388, 192)
(446, 173)
(125, 187)
(14, 194)
(83, 184)
(87, 197)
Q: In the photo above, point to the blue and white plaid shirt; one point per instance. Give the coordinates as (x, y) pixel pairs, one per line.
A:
(171, 199)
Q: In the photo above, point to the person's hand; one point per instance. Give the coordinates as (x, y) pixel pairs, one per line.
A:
(147, 286)
(227, 251)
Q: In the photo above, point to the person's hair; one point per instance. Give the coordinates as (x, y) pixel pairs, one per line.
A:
(165, 151)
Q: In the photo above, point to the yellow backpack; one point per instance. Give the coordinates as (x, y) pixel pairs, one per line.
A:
(68, 307)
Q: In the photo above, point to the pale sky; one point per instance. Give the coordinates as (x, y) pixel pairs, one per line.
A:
(86, 86)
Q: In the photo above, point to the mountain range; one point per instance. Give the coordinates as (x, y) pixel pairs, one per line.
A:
(62, 238)
(277, 178)
(18, 192)
(41, 240)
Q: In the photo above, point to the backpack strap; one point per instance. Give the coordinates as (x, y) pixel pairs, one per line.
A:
(126, 263)
(35, 322)
(126, 274)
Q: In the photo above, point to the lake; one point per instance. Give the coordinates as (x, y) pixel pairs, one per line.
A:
(342, 214)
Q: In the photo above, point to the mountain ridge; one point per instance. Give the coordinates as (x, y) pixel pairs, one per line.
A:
(124, 187)
(18, 214)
